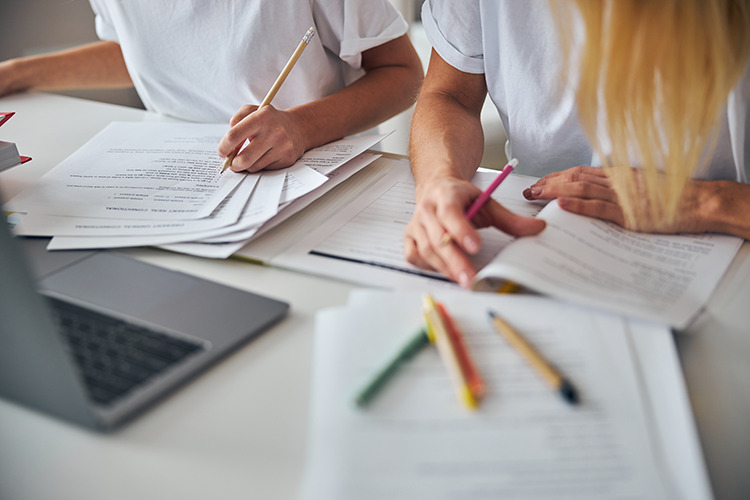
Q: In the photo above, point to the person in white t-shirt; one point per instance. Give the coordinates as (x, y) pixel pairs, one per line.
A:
(215, 61)
(570, 103)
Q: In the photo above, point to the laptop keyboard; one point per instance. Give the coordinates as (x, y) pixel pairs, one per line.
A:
(114, 356)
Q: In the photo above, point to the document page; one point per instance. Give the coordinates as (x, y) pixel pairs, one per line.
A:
(662, 278)
(328, 157)
(226, 214)
(415, 440)
(306, 219)
(262, 205)
(364, 243)
(139, 170)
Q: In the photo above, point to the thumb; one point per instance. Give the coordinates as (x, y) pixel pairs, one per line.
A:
(512, 223)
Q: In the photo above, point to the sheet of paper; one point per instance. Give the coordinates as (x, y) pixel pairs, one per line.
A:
(271, 245)
(139, 170)
(670, 404)
(300, 180)
(259, 209)
(662, 278)
(364, 243)
(227, 213)
(328, 157)
(416, 441)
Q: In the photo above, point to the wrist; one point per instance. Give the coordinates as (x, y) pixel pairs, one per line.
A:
(308, 128)
(718, 207)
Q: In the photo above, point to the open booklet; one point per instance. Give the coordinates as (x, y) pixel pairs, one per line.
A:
(631, 436)
(666, 279)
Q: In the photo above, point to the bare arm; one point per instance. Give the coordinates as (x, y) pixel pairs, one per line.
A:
(393, 75)
(446, 148)
(95, 65)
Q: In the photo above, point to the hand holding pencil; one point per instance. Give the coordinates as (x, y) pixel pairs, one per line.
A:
(441, 210)
(263, 136)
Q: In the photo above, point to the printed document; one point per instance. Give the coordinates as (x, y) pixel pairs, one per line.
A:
(138, 170)
(666, 279)
(364, 242)
(416, 441)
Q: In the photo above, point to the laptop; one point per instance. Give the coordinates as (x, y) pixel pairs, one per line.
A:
(95, 338)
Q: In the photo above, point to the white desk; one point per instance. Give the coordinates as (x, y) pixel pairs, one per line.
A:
(239, 431)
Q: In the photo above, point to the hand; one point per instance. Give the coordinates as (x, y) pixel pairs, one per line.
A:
(588, 191)
(275, 140)
(440, 211)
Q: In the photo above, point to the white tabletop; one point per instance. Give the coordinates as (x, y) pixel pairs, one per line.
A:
(239, 430)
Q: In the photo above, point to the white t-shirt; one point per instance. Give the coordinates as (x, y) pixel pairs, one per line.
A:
(202, 60)
(515, 45)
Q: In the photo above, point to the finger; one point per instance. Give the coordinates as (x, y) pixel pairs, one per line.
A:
(268, 161)
(594, 208)
(448, 258)
(511, 223)
(458, 228)
(581, 189)
(412, 255)
(418, 249)
(574, 174)
(246, 129)
(235, 138)
(592, 175)
(253, 158)
(244, 111)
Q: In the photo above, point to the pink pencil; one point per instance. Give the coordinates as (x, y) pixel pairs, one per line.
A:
(479, 202)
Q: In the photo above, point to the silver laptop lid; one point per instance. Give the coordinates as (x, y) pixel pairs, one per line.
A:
(35, 369)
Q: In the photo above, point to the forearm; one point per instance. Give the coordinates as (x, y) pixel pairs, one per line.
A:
(446, 138)
(393, 75)
(372, 99)
(446, 135)
(96, 65)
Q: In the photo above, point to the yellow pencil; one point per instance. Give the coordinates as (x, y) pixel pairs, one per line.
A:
(548, 372)
(438, 332)
(279, 81)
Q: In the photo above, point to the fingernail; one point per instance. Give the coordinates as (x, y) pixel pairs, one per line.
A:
(527, 193)
(535, 191)
(471, 245)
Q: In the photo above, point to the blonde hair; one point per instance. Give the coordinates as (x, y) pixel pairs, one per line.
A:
(653, 77)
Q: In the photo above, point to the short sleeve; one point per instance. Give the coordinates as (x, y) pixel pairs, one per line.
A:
(104, 27)
(455, 32)
(349, 27)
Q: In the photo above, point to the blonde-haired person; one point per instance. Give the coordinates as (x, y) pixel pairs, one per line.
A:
(215, 61)
(657, 92)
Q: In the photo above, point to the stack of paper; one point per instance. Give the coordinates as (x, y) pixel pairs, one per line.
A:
(137, 184)
(631, 436)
